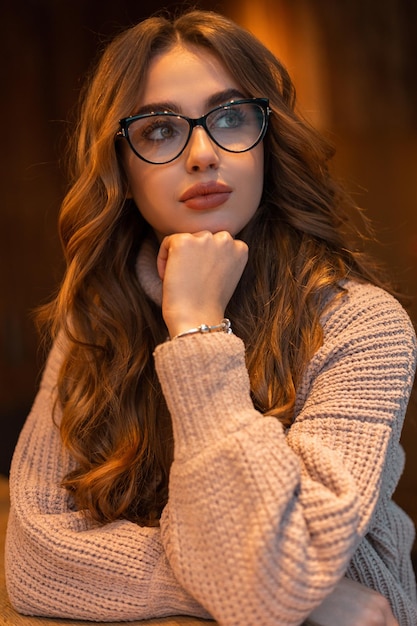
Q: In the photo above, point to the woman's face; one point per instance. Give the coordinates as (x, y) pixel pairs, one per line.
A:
(191, 81)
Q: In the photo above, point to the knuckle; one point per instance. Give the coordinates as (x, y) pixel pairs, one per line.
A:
(180, 239)
(203, 234)
(223, 236)
(243, 248)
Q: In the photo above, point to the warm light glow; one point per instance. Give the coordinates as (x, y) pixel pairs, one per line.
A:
(291, 33)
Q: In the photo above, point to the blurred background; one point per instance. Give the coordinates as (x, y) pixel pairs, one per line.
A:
(354, 65)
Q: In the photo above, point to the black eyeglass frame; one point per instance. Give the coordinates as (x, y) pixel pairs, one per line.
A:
(263, 104)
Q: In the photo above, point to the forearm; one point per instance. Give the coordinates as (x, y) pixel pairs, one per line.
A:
(260, 520)
(245, 529)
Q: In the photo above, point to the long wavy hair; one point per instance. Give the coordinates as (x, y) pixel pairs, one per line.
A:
(302, 245)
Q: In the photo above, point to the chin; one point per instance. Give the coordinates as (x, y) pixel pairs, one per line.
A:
(222, 226)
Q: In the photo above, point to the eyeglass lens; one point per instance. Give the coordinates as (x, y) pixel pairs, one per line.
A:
(161, 138)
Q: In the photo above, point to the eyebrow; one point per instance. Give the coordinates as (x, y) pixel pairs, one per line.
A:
(217, 99)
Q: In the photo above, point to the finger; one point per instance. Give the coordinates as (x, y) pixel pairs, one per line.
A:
(166, 244)
(162, 258)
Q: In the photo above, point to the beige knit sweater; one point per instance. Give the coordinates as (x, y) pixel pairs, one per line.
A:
(260, 524)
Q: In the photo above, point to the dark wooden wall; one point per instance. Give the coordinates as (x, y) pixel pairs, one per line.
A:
(368, 67)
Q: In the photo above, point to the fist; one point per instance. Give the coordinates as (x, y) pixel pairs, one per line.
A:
(199, 273)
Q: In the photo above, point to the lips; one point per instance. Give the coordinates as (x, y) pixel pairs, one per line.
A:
(206, 195)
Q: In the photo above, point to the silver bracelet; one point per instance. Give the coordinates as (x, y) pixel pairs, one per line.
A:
(225, 326)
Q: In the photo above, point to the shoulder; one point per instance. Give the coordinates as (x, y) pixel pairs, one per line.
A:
(366, 331)
(53, 364)
(362, 309)
(367, 357)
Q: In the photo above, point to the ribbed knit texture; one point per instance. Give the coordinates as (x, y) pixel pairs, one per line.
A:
(260, 523)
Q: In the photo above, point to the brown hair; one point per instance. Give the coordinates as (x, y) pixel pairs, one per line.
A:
(115, 422)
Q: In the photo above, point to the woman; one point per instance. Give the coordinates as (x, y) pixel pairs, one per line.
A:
(244, 476)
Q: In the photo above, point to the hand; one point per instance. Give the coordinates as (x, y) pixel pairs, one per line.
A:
(352, 604)
(200, 272)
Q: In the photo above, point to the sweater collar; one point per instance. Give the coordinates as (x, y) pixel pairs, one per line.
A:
(147, 272)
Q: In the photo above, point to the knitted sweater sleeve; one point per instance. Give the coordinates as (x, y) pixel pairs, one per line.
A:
(261, 524)
(60, 565)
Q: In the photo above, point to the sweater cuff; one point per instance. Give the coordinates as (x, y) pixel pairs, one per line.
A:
(206, 386)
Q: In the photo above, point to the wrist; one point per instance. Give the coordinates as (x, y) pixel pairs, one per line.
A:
(223, 326)
(182, 319)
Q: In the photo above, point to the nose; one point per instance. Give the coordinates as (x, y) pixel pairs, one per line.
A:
(201, 152)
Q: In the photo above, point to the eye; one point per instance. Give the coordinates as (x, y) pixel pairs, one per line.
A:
(159, 129)
(228, 118)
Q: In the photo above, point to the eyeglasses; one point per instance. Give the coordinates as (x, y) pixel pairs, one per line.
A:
(161, 137)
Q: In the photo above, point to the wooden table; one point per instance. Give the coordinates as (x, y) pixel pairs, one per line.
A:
(9, 617)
